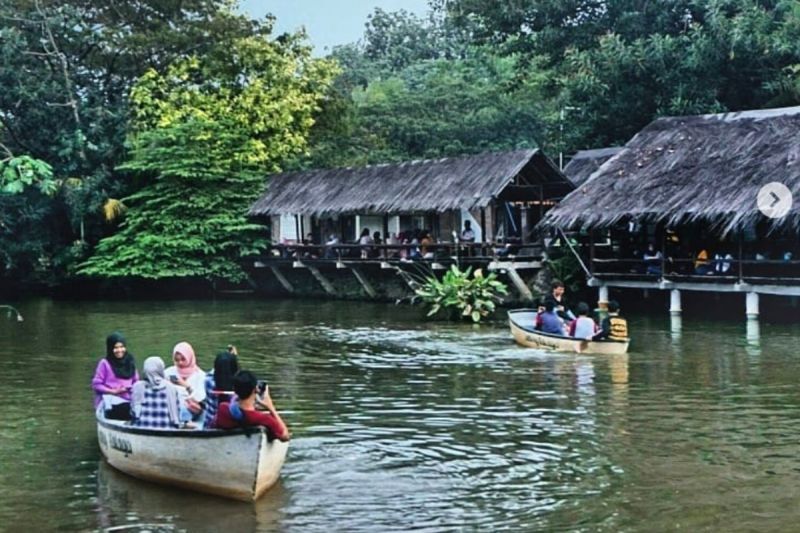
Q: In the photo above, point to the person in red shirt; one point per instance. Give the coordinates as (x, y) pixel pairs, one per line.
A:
(243, 410)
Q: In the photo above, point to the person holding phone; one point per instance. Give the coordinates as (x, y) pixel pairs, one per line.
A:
(252, 406)
(113, 379)
(190, 380)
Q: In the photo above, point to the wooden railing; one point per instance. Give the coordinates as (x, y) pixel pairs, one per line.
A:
(715, 270)
(409, 252)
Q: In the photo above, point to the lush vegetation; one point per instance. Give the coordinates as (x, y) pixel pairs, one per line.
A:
(462, 294)
(134, 135)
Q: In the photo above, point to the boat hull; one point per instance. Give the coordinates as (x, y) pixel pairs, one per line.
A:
(236, 464)
(527, 336)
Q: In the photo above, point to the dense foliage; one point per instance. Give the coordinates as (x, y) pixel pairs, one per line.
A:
(204, 134)
(149, 101)
(462, 294)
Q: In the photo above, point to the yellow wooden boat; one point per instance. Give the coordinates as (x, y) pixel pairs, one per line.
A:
(522, 322)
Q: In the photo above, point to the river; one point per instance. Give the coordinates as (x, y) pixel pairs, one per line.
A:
(404, 424)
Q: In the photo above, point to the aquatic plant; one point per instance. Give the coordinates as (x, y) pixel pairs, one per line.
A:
(462, 294)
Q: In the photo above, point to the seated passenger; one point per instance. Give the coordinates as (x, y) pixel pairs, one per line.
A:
(652, 260)
(219, 382)
(242, 412)
(113, 379)
(192, 382)
(551, 322)
(613, 326)
(155, 400)
(583, 327)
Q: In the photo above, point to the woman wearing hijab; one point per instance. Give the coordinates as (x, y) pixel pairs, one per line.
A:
(155, 400)
(219, 382)
(114, 377)
(191, 381)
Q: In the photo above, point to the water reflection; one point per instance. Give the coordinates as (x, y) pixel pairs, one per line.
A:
(126, 503)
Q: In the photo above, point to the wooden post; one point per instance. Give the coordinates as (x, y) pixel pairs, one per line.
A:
(741, 257)
(591, 252)
(518, 282)
(483, 231)
(364, 282)
(282, 279)
(523, 224)
(297, 229)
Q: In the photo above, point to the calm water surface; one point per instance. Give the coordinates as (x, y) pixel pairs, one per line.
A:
(400, 425)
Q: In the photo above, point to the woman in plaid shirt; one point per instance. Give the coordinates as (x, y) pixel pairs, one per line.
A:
(155, 399)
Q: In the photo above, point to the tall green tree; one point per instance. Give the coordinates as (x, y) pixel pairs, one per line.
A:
(66, 69)
(205, 134)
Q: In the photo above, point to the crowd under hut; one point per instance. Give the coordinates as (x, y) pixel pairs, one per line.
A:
(681, 197)
(485, 203)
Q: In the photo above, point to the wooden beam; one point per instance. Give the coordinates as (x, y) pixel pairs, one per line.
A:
(364, 282)
(282, 279)
(519, 283)
(322, 280)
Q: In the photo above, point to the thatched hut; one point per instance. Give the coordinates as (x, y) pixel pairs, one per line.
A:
(677, 208)
(585, 162)
(704, 169)
(505, 192)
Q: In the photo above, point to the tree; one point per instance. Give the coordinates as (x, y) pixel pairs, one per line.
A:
(66, 70)
(204, 135)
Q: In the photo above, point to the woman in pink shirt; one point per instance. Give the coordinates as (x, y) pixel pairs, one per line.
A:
(114, 379)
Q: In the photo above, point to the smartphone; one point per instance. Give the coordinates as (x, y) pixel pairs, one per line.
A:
(173, 379)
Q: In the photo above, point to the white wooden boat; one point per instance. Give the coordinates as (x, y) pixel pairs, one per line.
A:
(522, 323)
(240, 464)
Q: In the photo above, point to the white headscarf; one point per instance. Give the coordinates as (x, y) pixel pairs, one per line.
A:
(154, 379)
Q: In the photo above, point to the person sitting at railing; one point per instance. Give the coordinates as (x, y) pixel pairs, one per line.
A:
(424, 245)
(702, 265)
(365, 241)
(723, 264)
(467, 235)
(652, 260)
(392, 240)
(330, 251)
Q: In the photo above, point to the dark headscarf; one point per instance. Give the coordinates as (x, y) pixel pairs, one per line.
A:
(123, 368)
(226, 365)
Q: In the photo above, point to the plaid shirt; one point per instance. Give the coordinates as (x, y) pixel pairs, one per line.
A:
(155, 412)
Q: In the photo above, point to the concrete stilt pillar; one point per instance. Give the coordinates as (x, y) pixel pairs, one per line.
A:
(751, 304)
(602, 297)
(675, 302)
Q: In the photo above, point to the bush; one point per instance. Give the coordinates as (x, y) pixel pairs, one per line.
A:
(462, 295)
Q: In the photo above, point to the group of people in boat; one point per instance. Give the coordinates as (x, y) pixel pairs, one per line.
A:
(182, 395)
(555, 317)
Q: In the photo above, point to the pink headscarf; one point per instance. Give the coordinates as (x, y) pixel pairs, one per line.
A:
(188, 352)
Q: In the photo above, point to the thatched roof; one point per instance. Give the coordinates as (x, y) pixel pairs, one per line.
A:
(414, 186)
(584, 163)
(706, 168)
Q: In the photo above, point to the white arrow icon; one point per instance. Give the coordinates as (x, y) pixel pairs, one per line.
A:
(774, 200)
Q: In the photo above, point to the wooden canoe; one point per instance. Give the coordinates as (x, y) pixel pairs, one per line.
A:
(239, 464)
(523, 320)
